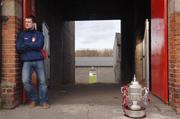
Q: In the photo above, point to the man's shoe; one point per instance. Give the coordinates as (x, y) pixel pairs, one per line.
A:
(45, 105)
(32, 104)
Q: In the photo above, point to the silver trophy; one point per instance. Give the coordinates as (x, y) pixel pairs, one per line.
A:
(135, 95)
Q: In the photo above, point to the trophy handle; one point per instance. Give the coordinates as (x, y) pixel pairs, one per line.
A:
(146, 91)
(122, 89)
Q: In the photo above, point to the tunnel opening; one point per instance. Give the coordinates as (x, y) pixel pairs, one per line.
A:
(97, 43)
(60, 16)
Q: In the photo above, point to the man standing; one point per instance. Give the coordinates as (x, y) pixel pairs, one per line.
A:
(29, 44)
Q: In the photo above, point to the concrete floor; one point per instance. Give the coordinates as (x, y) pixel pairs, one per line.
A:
(99, 101)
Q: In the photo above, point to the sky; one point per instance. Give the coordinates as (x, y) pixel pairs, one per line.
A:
(97, 34)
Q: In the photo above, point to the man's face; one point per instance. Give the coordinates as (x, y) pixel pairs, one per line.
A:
(28, 23)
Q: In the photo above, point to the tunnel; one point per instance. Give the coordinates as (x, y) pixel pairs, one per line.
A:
(60, 17)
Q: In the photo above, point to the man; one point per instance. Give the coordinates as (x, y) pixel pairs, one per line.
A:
(29, 44)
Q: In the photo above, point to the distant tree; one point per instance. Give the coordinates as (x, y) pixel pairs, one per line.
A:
(94, 53)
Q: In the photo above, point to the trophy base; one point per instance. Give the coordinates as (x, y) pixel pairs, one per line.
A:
(135, 113)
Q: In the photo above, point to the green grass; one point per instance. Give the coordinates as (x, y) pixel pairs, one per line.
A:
(92, 79)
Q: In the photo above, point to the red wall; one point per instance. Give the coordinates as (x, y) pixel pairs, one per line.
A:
(159, 58)
(28, 8)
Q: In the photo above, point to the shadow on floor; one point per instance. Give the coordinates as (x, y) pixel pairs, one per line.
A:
(98, 94)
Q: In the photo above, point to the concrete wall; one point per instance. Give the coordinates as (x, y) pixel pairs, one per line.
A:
(139, 59)
(62, 52)
(104, 75)
(62, 45)
(69, 53)
(56, 52)
(117, 57)
(133, 25)
(128, 51)
(81, 75)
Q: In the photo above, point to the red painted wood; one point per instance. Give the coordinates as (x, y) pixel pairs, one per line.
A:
(28, 9)
(25, 10)
(159, 51)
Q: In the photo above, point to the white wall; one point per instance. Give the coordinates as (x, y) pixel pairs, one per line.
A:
(104, 75)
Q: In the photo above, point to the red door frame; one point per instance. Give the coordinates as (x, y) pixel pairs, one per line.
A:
(28, 9)
(159, 49)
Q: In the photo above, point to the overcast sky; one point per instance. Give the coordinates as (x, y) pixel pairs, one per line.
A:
(96, 34)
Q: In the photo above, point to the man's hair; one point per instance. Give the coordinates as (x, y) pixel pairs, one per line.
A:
(31, 17)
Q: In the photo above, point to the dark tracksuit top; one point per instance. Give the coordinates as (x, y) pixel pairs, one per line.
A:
(29, 50)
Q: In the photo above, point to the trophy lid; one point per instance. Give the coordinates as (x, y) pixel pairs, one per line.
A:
(135, 83)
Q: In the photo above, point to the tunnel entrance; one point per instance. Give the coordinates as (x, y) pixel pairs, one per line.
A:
(60, 16)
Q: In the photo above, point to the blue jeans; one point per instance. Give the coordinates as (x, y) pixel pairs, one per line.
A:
(27, 70)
